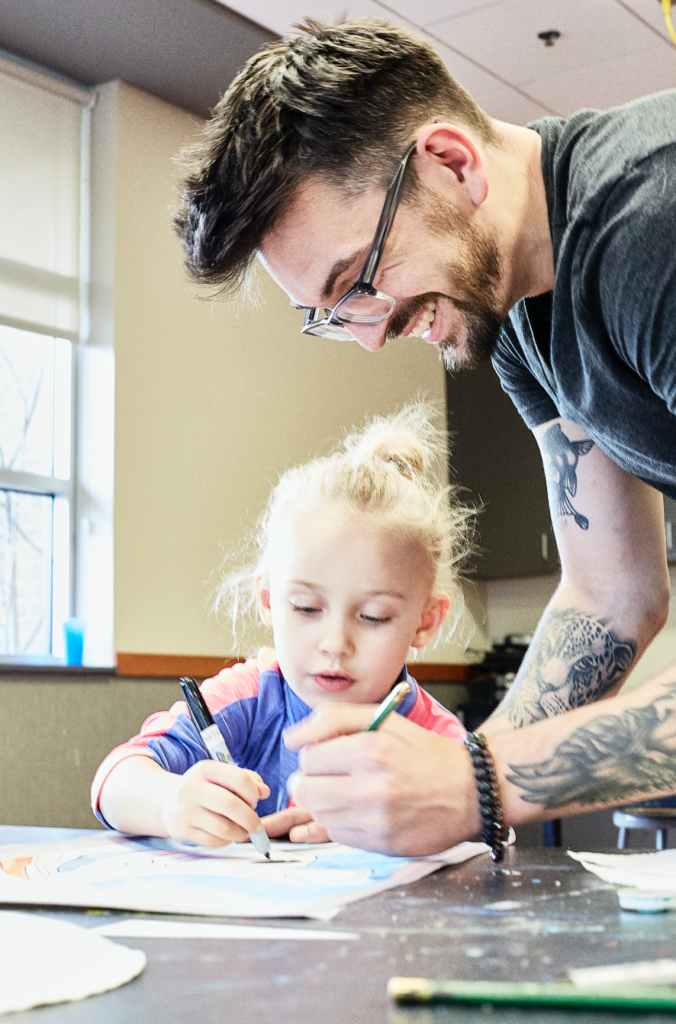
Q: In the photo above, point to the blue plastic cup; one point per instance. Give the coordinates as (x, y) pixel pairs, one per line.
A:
(73, 640)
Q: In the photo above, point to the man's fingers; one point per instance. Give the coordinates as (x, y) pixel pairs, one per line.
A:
(328, 721)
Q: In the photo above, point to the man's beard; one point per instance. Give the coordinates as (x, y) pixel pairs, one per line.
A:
(473, 279)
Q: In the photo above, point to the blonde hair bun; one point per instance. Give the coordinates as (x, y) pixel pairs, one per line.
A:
(395, 472)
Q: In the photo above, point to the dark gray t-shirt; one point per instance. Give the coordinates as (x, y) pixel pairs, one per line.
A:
(600, 350)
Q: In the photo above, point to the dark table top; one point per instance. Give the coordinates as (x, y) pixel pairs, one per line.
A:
(550, 915)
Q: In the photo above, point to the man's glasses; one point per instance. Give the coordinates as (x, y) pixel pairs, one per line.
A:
(362, 304)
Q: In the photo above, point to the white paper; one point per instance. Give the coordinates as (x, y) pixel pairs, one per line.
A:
(158, 928)
(159, 876)
(46, 961)
(641, 870)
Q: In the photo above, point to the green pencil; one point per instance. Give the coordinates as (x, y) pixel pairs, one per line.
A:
(422, 990)
(392, 701)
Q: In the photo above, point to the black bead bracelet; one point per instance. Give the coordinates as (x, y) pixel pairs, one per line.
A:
(494, 830)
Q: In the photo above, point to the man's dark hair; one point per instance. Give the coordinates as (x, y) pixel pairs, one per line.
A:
(340, 102)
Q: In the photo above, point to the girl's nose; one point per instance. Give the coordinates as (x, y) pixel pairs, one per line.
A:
(336, 642)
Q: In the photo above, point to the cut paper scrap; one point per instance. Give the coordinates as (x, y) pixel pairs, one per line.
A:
(161, 876)
(160, 928)
(46, 961)
(641, 870)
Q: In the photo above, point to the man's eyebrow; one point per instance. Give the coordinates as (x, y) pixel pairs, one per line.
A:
(338, 268)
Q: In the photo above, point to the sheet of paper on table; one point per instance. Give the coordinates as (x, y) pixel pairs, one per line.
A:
(158, 875)
(46, 961)
(642, 870)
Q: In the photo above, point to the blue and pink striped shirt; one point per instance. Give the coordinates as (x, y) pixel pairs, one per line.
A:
(252, 706)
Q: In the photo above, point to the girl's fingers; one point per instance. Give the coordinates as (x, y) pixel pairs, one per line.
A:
(225, 804)
(281, 823)
(231, 779)
(263, 788)
(309, 833)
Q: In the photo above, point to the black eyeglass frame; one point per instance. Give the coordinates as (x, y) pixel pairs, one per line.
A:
(320, 326)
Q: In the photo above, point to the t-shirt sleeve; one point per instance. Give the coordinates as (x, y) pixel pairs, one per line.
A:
(629, 272)
(510, 362)
(430, 714)
(171, 739)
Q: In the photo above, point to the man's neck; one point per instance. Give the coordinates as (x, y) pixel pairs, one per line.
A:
(518, 208)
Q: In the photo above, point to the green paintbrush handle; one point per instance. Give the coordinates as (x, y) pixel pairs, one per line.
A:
(421, 990)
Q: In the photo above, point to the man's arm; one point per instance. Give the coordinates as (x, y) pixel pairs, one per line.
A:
(407, 791)
(614, 590)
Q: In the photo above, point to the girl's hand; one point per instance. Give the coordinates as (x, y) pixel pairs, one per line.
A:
(298, 824)
(212, 804)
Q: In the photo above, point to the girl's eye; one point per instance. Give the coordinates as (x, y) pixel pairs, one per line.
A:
(374, 620)
(305, 609)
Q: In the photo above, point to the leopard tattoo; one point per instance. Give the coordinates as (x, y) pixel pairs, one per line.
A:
(575, 660)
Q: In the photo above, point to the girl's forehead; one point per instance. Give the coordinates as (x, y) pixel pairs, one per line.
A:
(339, 541)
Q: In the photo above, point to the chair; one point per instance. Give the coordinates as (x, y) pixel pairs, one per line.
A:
(659, 815)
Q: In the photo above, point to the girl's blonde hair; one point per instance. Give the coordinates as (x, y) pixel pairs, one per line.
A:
(393, 475)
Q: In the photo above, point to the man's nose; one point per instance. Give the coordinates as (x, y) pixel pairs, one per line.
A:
(370, 336)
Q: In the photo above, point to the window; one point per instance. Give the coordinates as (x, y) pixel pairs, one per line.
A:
(44, 163)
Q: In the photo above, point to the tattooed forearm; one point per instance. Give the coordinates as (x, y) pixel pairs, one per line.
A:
(574, 660)
(614, 758)
(561, 472)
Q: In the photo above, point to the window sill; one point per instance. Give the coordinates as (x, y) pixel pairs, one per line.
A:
(48, 668)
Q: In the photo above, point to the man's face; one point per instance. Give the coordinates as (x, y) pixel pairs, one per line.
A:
(443, 272)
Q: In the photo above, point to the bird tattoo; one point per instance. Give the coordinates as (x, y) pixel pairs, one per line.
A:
(564, 456)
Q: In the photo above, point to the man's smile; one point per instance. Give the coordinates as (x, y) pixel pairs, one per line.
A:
(423, 321)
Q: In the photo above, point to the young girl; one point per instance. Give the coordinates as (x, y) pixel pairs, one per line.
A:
(356, 554)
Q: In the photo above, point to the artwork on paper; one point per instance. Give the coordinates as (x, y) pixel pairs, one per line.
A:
(159, 875)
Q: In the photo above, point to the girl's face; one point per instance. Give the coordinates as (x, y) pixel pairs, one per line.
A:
(345, 603)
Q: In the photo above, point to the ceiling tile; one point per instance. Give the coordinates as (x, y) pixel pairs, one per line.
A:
(505, 37)
(280, 15)
(610, 82)
(507, 105)
(485, 87)
(426, 12)
(649, 11)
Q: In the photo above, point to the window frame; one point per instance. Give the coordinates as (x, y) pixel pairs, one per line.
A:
(33, 483)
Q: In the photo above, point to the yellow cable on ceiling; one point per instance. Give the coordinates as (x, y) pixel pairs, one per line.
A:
(666, 7)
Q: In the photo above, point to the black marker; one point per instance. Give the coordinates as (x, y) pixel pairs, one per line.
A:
(215, 744)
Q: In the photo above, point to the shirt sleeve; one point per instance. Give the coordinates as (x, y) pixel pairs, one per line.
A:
(171, 739)
(629, 272)
(511, 363)
(430, 714)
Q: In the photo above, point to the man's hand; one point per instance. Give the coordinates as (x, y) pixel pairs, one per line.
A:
(298, 824)
(212, 804)
(400, 790)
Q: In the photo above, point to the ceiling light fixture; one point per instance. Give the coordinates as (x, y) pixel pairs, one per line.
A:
(550, 37)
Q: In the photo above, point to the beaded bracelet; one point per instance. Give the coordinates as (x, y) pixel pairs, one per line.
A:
(493, 828)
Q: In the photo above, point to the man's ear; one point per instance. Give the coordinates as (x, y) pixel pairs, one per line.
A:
(450, 160)
(434, 613)
(263, 600)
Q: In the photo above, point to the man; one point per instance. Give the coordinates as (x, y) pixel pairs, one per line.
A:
(386, 203)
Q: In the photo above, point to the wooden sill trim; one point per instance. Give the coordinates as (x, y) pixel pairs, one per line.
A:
(168, 666)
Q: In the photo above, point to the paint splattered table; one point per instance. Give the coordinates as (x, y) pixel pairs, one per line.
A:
(527, 920)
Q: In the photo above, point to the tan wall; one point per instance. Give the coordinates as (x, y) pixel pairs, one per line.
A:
(211, 401)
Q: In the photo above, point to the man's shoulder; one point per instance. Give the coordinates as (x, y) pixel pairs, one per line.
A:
(588, 155)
